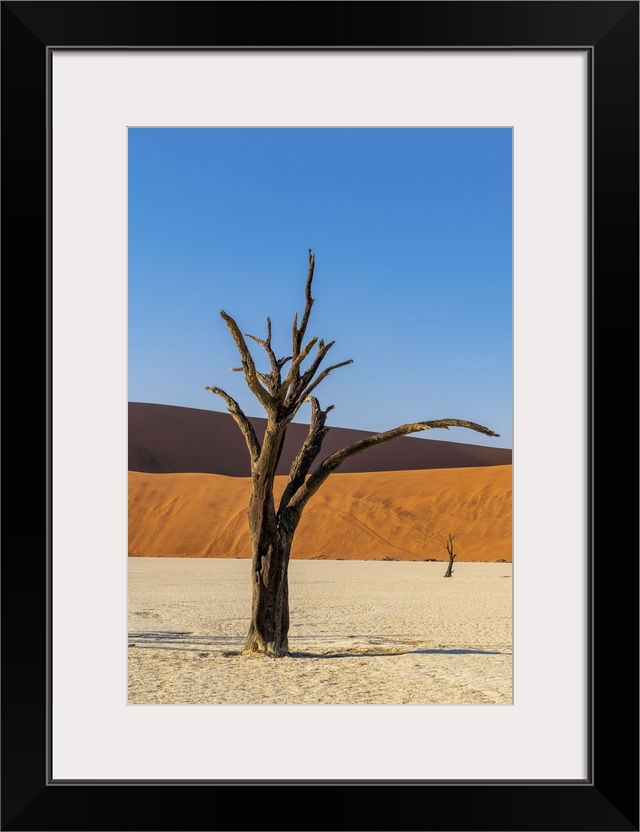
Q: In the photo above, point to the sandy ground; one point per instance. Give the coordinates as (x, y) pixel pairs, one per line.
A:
(362, 632)
(400, 515)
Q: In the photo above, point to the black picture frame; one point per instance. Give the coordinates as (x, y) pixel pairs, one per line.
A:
(608, 798)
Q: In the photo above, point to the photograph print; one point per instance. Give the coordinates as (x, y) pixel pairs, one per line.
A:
(320, 416)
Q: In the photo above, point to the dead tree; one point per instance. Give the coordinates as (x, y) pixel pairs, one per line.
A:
(272, 527)
(449, 571)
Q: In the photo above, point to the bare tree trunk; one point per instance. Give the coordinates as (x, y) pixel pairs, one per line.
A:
(271, 543)
(271, 539)
(269, 627)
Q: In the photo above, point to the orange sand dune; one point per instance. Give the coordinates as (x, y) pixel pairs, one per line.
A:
(401, 515)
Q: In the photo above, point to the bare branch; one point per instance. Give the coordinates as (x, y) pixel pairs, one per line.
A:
(295, 366)
(260, 341)
(266, 345)
(334, 460)
(298, 394)
(243, 423)
(308, 452)
(248, 365)
(308, 375)
(324, 374)
(270, 380)
(298, 332)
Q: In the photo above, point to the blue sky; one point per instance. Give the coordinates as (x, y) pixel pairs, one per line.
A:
(411, 228)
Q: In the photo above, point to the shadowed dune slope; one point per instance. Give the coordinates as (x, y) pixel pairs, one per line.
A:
(402, 515)
(164, 439)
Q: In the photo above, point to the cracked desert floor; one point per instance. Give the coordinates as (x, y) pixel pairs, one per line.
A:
(362, 632)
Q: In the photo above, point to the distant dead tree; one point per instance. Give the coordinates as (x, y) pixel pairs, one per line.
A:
(272, 527)
(452, 556)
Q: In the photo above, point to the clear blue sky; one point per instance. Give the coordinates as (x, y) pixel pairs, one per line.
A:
(411, 229)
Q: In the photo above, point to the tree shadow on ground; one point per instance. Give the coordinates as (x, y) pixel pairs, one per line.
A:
(180, 640)
(230, 647)
(393, 651)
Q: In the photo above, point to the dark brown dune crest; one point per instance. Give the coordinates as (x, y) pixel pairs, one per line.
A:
(165, 439)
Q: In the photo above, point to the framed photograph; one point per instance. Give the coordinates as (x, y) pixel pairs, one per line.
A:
(562, 79)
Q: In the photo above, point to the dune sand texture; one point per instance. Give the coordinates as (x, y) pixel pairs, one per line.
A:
(361, 633)
(400, 515)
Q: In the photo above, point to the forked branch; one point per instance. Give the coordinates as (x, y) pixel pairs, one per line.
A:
(272, 380)
(308, 452)
(248, 366)
(294, 371)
